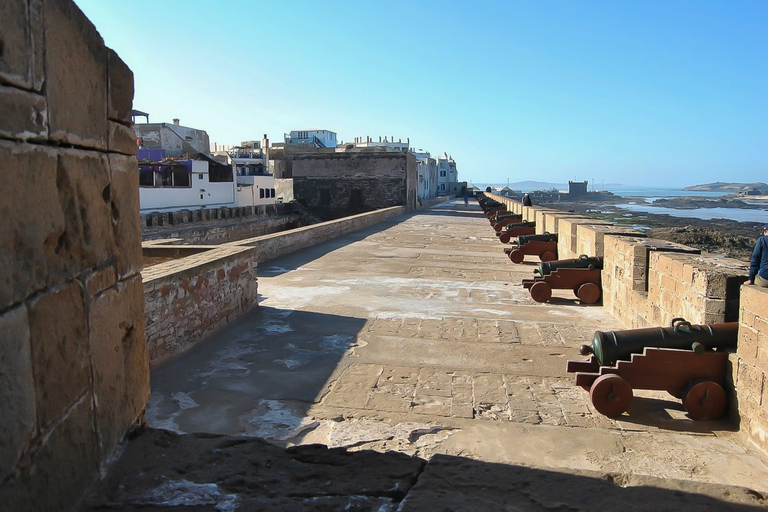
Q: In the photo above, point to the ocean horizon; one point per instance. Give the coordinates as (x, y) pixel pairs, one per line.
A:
(640, 199)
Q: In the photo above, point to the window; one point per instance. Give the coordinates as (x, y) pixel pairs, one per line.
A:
(261, 193)
(442, 174)
(146, 177)
(272, 192)
(218, 173)
(199, 176)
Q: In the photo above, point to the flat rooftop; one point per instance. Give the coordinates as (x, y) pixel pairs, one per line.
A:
(416, 337)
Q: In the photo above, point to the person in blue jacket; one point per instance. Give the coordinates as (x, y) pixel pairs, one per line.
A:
(758, 267)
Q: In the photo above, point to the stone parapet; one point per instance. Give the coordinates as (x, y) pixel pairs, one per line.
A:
(568, 236)
(278, 244)
(189, 298)
(750, 365)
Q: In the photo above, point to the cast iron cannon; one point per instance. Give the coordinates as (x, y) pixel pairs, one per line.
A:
(544, 246)
(582, 275)
(678, 359)
(610, 346)
(504, 220)
(516, 229)
(583, 261)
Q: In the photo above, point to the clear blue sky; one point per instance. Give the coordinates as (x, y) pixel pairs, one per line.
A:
(655, 93)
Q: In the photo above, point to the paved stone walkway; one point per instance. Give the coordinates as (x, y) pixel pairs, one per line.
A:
(417, 337)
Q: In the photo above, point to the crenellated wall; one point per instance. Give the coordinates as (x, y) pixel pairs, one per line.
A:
(648, 282)
(73, 368)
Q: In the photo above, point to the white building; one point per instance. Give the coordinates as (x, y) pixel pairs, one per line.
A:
(312, 138)
(446, 174)
(427, 175)
(167, 184)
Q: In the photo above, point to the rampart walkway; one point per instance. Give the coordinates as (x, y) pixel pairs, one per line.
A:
(415, 336)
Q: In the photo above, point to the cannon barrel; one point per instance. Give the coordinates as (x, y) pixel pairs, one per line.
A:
(611, 346)
(506, 216)
(522, 224)
(583, 261)
(546, 237)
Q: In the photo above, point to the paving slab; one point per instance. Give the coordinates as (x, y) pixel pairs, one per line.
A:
(415, 336)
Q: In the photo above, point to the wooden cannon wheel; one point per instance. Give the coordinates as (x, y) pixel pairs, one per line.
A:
(704, 399)
(541, 291)
(517, 256)
(548, 256)
(588, 293)
(611, 394)
(505, 238)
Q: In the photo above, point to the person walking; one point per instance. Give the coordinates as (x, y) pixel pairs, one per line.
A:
(758, 267)
(466, 198)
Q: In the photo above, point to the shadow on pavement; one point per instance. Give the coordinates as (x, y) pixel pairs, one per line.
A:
(257, 376)
(159, 469)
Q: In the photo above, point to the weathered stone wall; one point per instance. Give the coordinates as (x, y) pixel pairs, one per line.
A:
(279, 244)
(750, 365)
(220, 225)
(190, 298)
(649, 282)
(73, 367)
(343, 183)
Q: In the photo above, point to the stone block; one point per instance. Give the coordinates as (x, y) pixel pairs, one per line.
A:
(97, 281)
(754, 300)
(59, 341)
(82, 180)
(750, 384)
(61, 469)
(17, 57)
(23, 114)
(32, 219)
(120, 92)
(122, 139)
(120, 361)
(17, 388)
(76, 77)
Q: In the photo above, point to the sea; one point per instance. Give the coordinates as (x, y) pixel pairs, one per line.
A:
(640, 200)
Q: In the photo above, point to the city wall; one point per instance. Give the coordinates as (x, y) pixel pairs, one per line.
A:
(647, 282)
(189, 298)
(74, 375)
(220, 225)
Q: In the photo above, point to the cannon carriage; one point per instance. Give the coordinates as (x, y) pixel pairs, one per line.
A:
(582, 275)
(544, 246)
(688, 361)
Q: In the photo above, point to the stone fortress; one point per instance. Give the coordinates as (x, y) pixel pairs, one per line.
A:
(77, 341)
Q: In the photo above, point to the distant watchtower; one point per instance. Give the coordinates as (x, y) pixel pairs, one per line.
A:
(577, 188)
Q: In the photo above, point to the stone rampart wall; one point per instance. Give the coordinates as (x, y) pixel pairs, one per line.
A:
(279, 244)
(750, 365)
(649, 282)
(73, 369)
(190, 298)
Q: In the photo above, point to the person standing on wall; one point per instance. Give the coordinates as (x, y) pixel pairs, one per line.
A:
(758, 267)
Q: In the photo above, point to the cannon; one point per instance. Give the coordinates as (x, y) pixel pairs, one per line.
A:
(583, 261)
(678, 359)
(582, 275)
(514, 230)
(504, 220)
(610, 346)
(544, 246)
